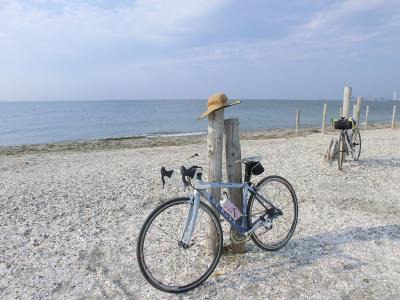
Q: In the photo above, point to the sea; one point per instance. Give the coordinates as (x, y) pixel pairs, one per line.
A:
(53, 122)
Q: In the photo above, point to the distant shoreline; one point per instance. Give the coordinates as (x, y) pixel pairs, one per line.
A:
(158, 140)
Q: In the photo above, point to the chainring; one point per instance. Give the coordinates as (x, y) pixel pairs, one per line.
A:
(237, 237)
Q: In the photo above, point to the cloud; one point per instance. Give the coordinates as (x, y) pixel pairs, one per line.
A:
(338, 12)
(142, 20)
(340, 30)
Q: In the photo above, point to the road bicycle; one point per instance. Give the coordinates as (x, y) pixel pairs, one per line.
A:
(180, 242)
(349, 139)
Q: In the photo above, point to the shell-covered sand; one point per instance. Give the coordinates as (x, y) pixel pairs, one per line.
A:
(69, 220)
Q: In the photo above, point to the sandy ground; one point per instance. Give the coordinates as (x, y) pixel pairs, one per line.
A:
(69, 220)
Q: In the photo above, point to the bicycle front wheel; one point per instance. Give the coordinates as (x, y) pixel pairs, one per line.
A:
(356, 144)
(163, 262)
(342, 151)
(279, 191)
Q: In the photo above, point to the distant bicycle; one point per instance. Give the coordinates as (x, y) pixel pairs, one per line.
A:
(349, 139)
(175, 249)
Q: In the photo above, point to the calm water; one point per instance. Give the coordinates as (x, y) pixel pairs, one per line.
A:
(45, 122)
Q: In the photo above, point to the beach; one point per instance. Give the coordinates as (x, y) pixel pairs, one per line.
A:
(71, 213)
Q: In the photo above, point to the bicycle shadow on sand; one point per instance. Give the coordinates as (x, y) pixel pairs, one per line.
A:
(380, 162)
(302, 252)
(307, 250)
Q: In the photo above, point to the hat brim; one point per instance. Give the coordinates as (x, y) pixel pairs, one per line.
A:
(205, 114)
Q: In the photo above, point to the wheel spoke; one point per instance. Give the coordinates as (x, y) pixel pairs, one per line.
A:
(158, 252)
(173, 237)
(157, 265)
(201, 258)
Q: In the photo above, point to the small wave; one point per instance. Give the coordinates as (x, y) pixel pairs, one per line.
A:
(174, 134)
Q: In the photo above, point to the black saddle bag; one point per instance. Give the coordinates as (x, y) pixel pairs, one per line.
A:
(343, 123)
(254, 168)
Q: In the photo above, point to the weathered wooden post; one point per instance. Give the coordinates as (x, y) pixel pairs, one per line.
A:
(234, 169)
(366, 117)
(354, 112)
(214, 146)
(394, 117)
(346, 101)
(324, 118)
(358, 110)
(327, 155)
(215, 138)
(333, 149)
(297, 120)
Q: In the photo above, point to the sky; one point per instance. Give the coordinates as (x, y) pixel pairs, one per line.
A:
(191, 49)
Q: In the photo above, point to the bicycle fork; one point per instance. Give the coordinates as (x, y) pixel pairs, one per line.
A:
(191, 220)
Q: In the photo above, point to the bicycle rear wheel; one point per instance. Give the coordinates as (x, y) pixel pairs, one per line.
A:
(342, 151)
(356, 144)
(279, 191)
(163, 262)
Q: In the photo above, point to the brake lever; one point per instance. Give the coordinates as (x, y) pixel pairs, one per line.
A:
(184, 173)
(165, 173)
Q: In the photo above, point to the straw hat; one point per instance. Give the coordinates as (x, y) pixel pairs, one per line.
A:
(216, 102)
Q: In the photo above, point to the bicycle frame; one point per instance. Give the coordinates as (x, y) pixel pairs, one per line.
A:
(347, 139)
(200, 190)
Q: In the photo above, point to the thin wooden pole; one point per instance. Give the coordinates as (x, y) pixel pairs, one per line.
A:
(332, 149)
(233, 169)
(214, 146)
(394, 117)
(324, 118)
(328, 151)
(298, 120)
(346, 101)
(366, 117)
(358, 110)
(354, 111)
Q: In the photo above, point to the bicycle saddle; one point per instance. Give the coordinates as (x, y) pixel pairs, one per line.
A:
(249, 159)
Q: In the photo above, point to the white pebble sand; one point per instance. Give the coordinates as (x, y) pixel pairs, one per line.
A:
(69, 220)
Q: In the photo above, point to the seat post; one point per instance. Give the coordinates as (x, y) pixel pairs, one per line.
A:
(247, 173)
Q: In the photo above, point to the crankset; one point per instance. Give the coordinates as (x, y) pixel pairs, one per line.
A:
(237, 237)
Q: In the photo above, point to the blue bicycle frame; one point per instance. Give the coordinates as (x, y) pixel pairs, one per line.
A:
(200, 190)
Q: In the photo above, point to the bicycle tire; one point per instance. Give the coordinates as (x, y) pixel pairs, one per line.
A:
(256, 236)
(356, 144)
(342, 145)
(171, 266)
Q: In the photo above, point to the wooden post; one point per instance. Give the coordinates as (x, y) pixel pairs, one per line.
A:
(297, 120)
(394, 117)
(366, 117)
(358, 110)
(346, 101)
(327, 155)
(214, 146)
(233, 169)
(324, 118)
(333, 150)
(354, 112)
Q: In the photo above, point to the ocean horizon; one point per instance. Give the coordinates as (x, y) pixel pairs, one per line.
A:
(40, 122)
